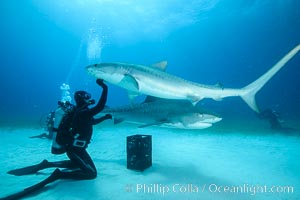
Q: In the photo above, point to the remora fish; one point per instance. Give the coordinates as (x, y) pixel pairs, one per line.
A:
(155, 82)
(165, 113)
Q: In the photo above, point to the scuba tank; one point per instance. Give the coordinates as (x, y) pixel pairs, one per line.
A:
(64, 108)
(62, 127)
(58, 115)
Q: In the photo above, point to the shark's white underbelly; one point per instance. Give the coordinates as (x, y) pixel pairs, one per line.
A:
(165, 88)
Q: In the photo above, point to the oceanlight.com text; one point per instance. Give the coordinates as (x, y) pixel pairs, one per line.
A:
(249, 189)
(163, 189)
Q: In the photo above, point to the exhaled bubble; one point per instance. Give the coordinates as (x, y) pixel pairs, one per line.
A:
(94, 46)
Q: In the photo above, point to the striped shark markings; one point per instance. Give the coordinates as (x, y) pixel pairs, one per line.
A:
(154, 81)
(180, 114)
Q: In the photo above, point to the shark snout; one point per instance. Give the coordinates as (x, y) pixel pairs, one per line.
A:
(216, 119)
(91, 68)
(211, 118)
(95, 70)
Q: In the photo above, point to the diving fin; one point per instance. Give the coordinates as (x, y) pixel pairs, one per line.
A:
(30, 169)
(42, 136)
(29, 190)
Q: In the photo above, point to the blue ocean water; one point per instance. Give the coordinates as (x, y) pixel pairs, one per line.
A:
(47, 43)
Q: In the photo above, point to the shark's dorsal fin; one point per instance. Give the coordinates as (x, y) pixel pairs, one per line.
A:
(161, 65)
(219, 85)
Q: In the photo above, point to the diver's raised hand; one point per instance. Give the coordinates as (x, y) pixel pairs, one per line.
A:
(101, 83)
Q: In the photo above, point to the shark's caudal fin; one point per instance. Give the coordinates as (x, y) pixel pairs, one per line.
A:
(248, 93)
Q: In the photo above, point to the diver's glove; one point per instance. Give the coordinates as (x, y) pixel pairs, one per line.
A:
(101, 83)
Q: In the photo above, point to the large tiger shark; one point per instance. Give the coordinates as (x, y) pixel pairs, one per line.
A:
(170, 113)
(154, 81)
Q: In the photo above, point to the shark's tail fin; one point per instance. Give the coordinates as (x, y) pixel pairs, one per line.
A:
(248, 93)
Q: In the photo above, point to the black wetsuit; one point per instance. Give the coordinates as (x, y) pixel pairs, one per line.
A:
(80, 166)
(82, 129)
(274, 118)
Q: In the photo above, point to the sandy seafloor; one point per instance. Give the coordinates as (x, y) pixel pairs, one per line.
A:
(240, 154)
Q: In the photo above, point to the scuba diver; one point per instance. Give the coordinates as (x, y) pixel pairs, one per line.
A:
(63, 104)
(273, 116)
(73, 135)
(49, 127)
(275, 120)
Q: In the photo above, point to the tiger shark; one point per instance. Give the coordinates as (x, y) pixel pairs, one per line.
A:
(154, 81)
(169, 113)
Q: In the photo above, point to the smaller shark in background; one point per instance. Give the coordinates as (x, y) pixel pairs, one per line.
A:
(153, 111)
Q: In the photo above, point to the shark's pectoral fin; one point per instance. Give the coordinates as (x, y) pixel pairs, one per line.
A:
(154, 123)
(130, 83)
(194, 99)
(132, 95)
(218, 99)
